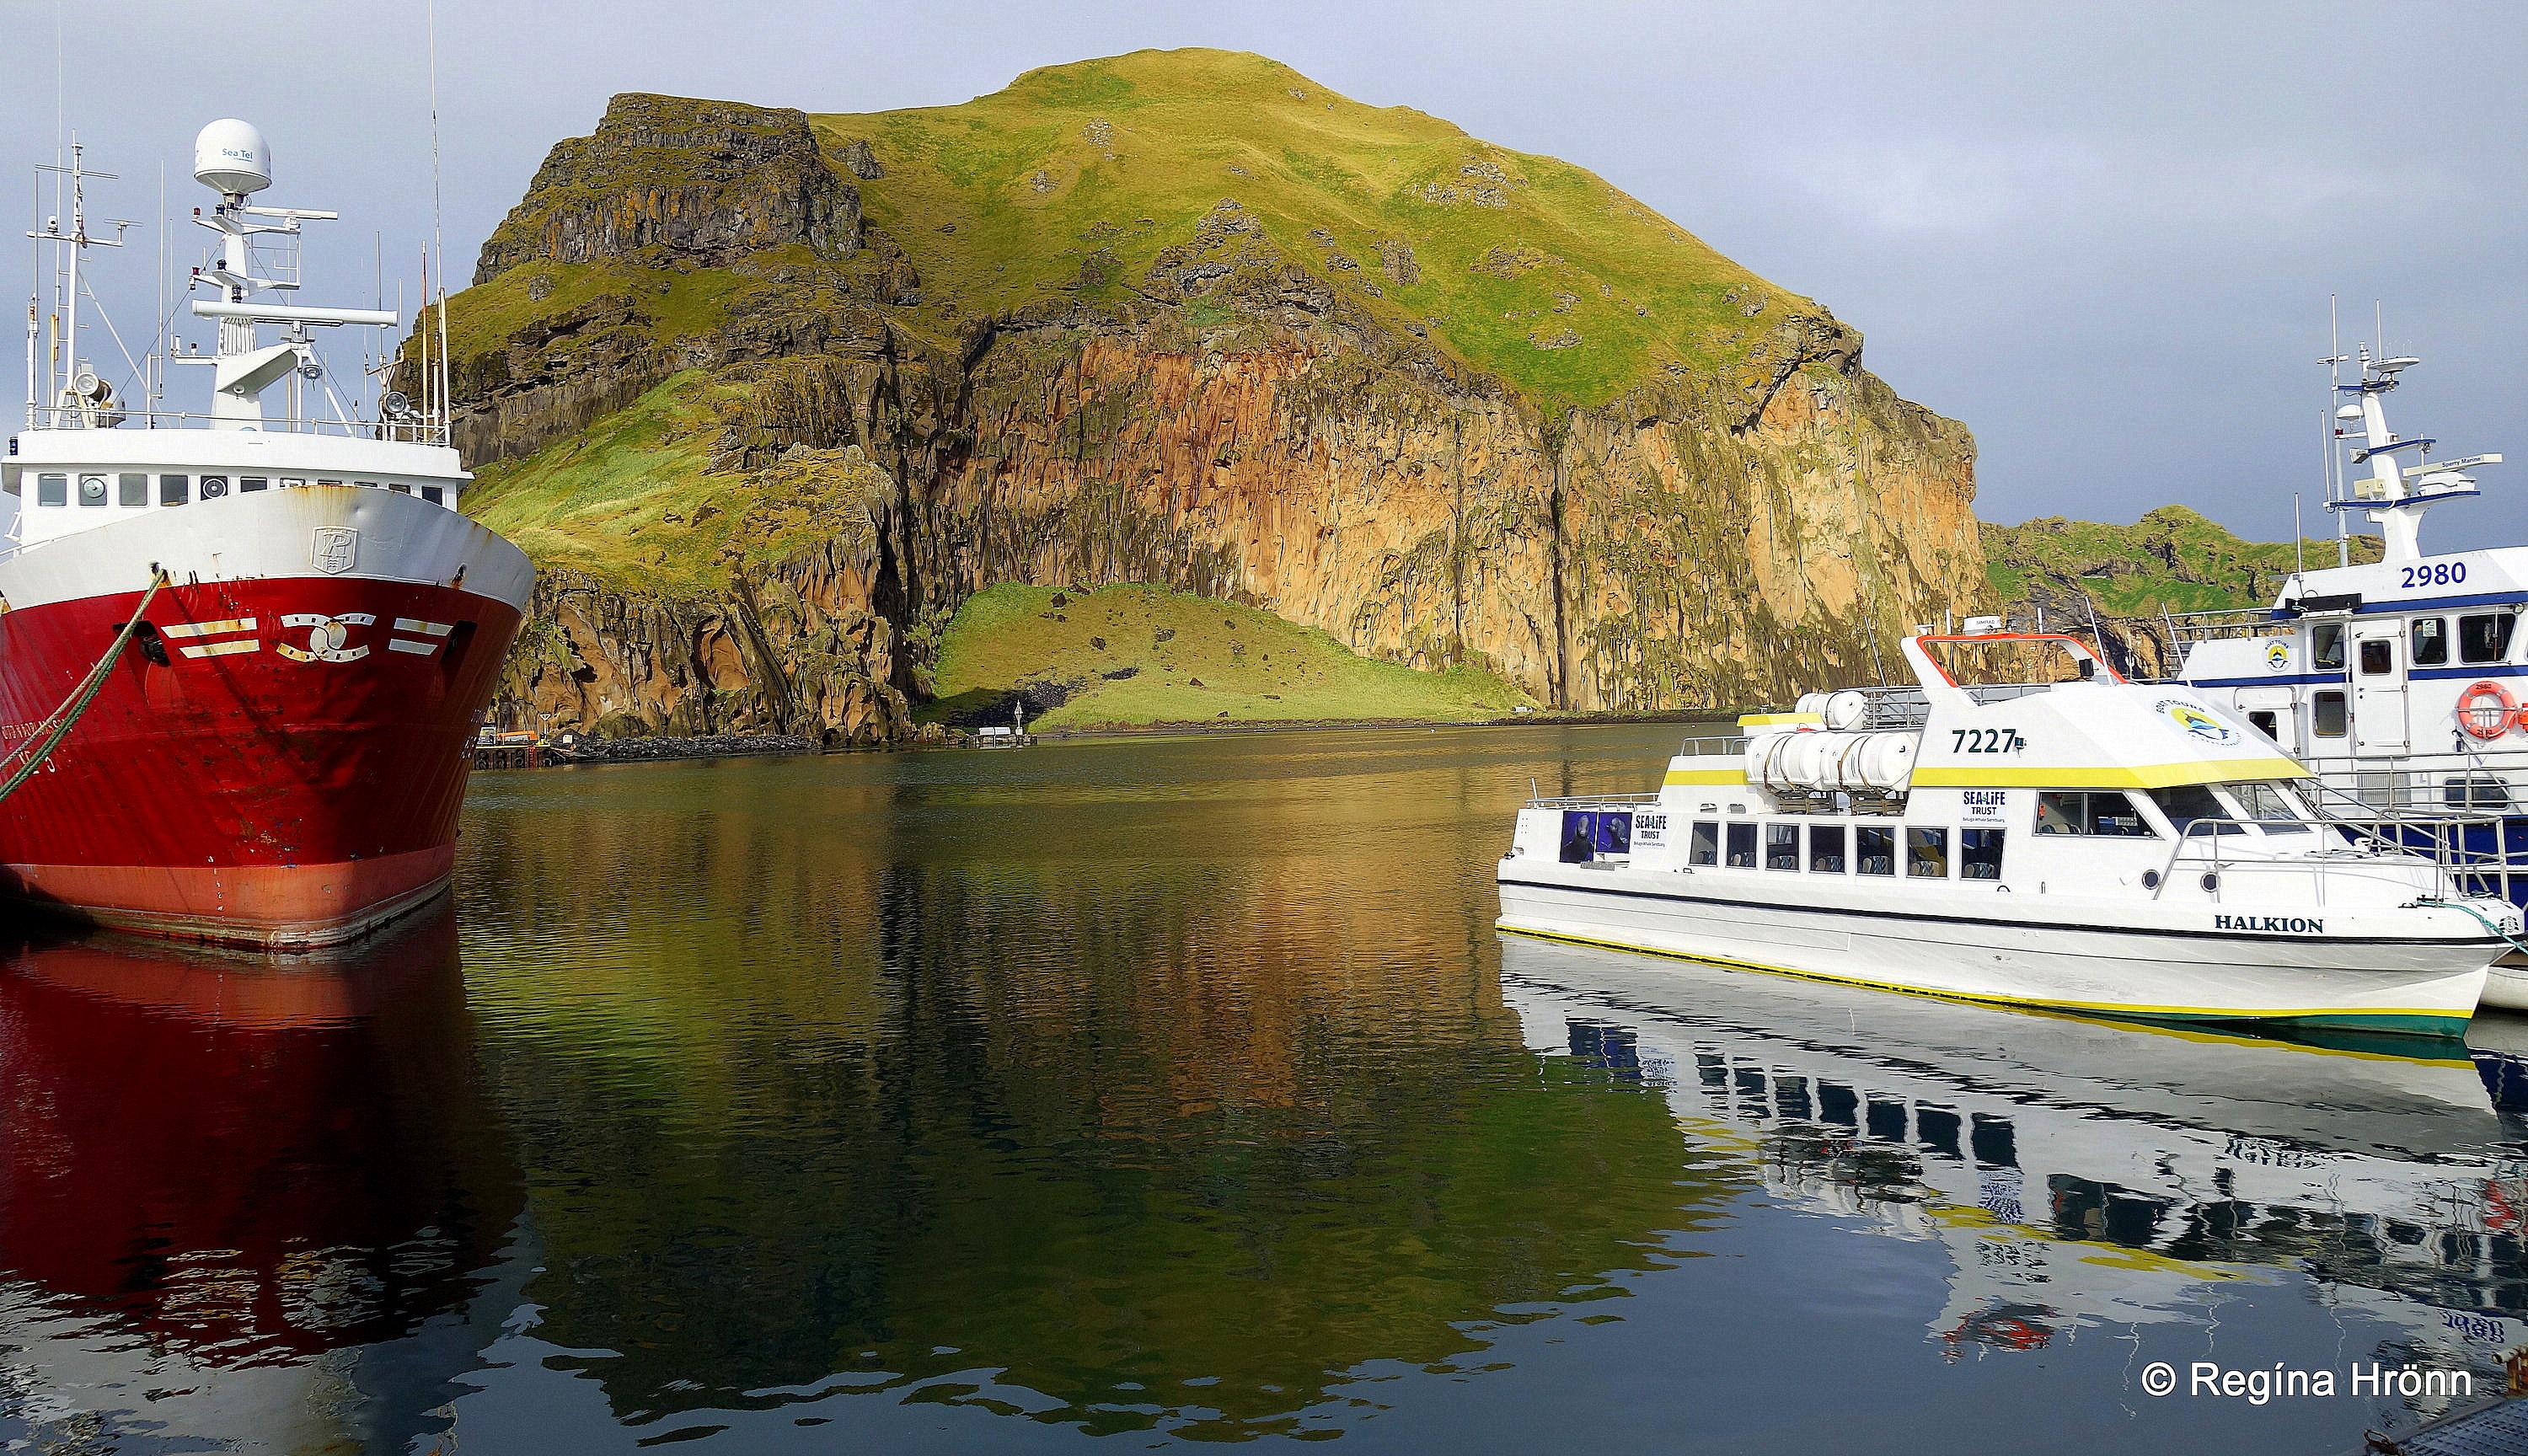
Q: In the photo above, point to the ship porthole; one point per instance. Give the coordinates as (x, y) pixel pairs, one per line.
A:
(2211, 882)
(2151, 879)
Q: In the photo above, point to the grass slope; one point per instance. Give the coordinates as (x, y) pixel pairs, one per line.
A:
(1071, 180)
(2172, 559)
(1135, 654)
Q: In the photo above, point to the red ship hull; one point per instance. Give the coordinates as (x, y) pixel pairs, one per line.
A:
(291, 775)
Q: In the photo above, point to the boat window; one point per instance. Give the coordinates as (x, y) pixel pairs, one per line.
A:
(401, 488)
(1781, 846)
(1742, 846)
(2274, 807)
(91, 490)
(171, 490)
(52, 490)
(1825, 848)
(368, 485)
(2486, 638)
(2188, 802)
(287, 482)
(2475, 793)
(2267, 724)
(2377, 657)
(1705, 849)
(2325, 645)
(1873, 849)
(2430, 641)
(1927, 854)
(1590, 833)
(2083, 811)
(2325, 714)
(252, 483)
(214, 486)
(434, 495)
(132, 489)
(1979, 854)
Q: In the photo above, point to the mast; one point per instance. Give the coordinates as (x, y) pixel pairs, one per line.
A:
(81, 406)
(232, 159)
(2397, 495)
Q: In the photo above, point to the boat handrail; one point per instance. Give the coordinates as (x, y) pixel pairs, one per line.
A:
(1721, 745)
(1898, 707)
(2209, 844)
(64, 419)
(1595, 801)
(2224, 621)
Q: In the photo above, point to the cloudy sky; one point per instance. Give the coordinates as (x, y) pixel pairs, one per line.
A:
(2102, 235)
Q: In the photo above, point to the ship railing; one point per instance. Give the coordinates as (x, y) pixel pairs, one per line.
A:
(2223, 621)
(1713, 745)
(65, 417)
(1910, 708)
(2467, 850)
(1596, 800)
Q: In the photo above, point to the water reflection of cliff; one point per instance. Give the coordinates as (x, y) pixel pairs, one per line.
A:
(2083, 1174)
(1167, 1103)
(237, 1193)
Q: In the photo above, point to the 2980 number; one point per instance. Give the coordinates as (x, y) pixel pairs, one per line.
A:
(2436, 574)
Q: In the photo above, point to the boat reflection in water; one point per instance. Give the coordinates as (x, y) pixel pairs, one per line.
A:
(242, 1196)
(2086, 1173)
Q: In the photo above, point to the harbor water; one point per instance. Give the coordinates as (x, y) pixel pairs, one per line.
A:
(1142, 1092)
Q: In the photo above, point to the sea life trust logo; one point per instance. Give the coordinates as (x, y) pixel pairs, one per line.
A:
(2196, 721)
(2277, 656)
(2283, 1381)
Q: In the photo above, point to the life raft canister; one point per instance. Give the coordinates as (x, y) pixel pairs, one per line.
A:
(2486, 710)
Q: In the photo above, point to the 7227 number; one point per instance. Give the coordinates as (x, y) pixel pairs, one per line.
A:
(1986, 741)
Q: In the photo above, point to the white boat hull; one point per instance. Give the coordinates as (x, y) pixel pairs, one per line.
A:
(2110, 962)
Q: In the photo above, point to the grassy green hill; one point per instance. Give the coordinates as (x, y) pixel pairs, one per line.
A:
(1135, 654)
(1075, 181)
(2172, 559)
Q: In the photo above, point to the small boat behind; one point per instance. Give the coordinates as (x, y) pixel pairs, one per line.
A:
(2090, 844)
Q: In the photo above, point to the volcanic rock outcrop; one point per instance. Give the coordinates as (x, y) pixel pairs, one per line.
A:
(768, 395)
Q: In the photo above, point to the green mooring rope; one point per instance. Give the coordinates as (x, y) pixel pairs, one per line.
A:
(74, 706)
(2437, 904)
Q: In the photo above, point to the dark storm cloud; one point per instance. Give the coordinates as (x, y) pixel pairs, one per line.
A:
(2103, 237)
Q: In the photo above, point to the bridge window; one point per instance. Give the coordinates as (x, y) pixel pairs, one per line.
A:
(1873, 849)
(214, 486)
(434, 495)
(132, 489)
(1927, 854)
(401, 488)
(52, 490)
(1705, 847)
(2326, 717)
(252, 483)
(2378, 655)
(2083, 811)
(2188, 802)
(2430, 641)
(171, 490)
(2325, 645)
(2266, 723)
(2486, 638)
(91, 490)
(1825, 848)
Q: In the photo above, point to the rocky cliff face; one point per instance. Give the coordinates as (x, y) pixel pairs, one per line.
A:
(768, 395)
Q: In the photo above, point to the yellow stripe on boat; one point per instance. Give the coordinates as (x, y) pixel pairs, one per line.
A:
(1706, 776)
(1776, 720)
(2104, 776)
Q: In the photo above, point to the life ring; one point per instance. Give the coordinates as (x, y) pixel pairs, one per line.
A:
(2486, 720)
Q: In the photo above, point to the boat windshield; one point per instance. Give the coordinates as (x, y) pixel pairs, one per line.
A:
(2186, 802)
(2275, 808)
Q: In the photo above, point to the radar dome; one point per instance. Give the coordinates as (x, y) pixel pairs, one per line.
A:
(231, 158)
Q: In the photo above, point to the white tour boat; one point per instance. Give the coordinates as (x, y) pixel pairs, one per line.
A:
(2093, 845)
